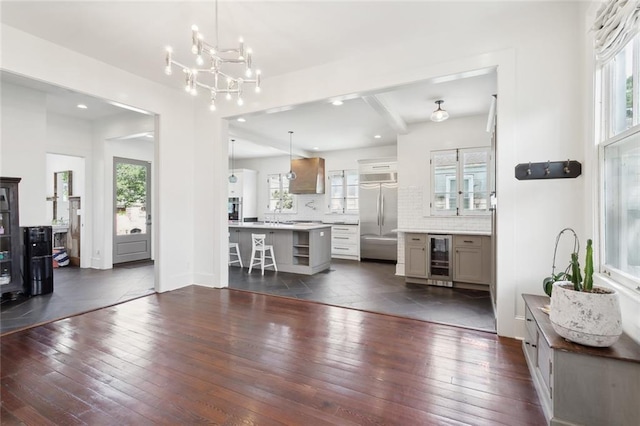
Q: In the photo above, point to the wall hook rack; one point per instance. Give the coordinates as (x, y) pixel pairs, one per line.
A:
(548, 170)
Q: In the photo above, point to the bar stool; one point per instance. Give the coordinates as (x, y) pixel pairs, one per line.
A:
(258, 246)
(234, 250)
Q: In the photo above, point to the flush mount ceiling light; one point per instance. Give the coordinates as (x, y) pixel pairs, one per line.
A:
(82, 106)
(233, 178)
(337, 102)
(439, 114)
(218, 81)
(291, 175)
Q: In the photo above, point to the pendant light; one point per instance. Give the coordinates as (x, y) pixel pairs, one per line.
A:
(291, 175)
(233, 178)
(439, 114)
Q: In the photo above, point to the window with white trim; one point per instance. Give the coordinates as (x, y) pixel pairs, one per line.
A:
(460, 181)
(280, 199)
(619, 163)
(343, 191)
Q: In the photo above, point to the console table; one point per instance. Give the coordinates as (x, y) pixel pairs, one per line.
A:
(581, 385)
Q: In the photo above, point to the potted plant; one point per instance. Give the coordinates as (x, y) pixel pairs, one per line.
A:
(581, 312)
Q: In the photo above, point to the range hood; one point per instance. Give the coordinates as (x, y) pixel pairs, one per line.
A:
(309, 176)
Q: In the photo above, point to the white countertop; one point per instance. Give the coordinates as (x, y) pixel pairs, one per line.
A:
(305, 226)
(444, 232)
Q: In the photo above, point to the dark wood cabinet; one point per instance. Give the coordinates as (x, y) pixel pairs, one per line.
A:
(10, 244)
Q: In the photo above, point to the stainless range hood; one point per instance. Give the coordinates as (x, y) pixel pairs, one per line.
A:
(309, 176)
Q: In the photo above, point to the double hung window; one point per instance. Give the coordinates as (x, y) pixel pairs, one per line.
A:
(280, 200)
(460, 182)
(618, 132)
(343, 191)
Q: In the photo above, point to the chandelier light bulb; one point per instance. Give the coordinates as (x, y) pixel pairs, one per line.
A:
(199, 60)
(212, 106)
(240, 101)
(228, 96)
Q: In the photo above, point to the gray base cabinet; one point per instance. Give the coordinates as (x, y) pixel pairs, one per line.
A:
(299, 251)
(579, 385)
(472, 259)
(415, 256)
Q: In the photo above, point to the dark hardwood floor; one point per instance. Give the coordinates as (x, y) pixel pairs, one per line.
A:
(222, 356)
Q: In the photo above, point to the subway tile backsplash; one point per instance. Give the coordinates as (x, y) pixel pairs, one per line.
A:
(413, 205)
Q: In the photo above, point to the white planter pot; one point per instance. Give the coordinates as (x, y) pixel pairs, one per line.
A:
(591, 319)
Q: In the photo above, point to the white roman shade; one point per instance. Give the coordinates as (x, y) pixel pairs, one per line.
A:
(617, 21)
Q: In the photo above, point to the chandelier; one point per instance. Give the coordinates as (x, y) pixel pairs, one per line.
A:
(208, 73)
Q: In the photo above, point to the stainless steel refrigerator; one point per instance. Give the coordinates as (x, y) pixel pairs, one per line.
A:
(378, 219)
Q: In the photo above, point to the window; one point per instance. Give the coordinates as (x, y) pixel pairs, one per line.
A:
(459, 181)
(343, 191)
(619, 153)
(279, 197)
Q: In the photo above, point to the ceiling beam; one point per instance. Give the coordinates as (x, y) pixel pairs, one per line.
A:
(391, 117)
(243, 134)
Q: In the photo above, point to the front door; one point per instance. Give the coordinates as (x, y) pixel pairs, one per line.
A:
(132, 210)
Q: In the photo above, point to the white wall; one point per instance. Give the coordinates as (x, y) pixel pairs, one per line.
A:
(539, 76)
(23, 144)
(106, 147)
(414, 176)
(334, 160)
(174, 156)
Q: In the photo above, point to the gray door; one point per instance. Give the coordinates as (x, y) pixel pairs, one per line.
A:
(132, 210)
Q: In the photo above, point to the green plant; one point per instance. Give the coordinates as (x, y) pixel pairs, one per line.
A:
(572, 272)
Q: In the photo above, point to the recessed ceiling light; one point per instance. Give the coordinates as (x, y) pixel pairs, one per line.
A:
(377, 136)
(241, 120)
(82, 106)
(337, 103)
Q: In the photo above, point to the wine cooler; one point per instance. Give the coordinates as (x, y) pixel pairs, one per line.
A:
(440, 258)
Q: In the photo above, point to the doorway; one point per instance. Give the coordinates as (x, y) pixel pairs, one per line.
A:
(132, 210)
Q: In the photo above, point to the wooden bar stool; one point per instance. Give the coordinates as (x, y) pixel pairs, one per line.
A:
(234, 250)
(259, 247)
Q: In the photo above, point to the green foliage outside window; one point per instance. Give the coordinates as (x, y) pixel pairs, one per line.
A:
(131, 181)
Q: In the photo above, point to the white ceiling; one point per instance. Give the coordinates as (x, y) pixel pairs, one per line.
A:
(286, 36)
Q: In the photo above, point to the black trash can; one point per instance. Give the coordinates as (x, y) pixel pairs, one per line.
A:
(37, 265)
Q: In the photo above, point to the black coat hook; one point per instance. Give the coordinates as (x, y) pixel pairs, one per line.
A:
(548, 170)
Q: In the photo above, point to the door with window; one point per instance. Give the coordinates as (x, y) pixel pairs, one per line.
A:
(132, 210)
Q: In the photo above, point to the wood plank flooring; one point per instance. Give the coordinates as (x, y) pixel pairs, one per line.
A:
(222, 356)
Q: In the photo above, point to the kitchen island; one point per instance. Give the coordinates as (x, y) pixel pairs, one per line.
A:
(300, 248)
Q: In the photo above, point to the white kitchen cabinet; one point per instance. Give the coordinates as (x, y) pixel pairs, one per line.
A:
(246, 188)
(345, 242)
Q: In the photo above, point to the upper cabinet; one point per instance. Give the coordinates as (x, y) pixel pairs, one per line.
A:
(245, 187)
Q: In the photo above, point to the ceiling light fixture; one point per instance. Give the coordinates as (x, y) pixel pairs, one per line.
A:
(221, 81)
(337, 103)
(439, 114)
(291, 175)
(377, 137)
(82, 106)
(241, 120)
(233, 178)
